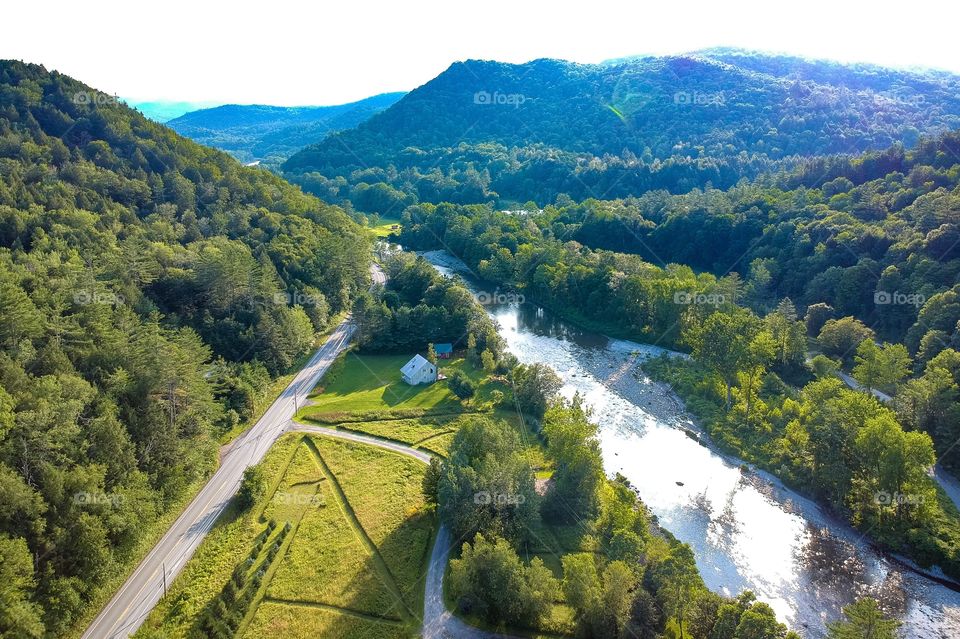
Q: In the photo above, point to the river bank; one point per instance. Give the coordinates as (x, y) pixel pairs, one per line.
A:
(747, 529)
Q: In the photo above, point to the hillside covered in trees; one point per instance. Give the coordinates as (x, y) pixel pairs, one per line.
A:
(836, 257)
(149, 289)
(488, 131)
(271, 134)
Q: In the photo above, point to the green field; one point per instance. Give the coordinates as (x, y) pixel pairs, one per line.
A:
(384, 228)
(351, 565)
(346, 554)
(369, 387)
(364, 394)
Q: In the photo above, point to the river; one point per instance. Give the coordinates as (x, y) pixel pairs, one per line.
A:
(746, 529)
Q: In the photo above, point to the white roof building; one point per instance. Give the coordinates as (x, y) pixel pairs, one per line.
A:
(419, 370)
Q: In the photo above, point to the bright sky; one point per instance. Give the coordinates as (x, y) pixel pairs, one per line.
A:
(327, 52)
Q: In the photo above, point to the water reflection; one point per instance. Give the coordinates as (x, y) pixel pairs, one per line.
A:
(746, 530)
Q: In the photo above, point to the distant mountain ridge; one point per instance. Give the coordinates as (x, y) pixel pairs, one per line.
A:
(518, 131)
(264, 132)
(166, 110)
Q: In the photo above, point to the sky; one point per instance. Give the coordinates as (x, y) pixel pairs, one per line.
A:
(297, 53)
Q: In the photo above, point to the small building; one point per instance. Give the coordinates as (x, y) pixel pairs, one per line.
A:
(419, 370)
(443, 351)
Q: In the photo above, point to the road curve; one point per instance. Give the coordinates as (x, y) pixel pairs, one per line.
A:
(438, 622)
(145, 586)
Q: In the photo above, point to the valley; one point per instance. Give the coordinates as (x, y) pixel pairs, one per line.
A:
(657, 346)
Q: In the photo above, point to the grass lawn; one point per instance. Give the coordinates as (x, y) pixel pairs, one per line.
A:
(365, 395)
(384, 228)
(282, 621)
(367, 387)
(353, 561)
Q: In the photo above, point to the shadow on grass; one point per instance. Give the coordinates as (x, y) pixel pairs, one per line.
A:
(398, 562)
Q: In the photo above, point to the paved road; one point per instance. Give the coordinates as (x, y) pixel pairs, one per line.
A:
(438, 622)
(131, 604)
(854, 384)
(377, 275)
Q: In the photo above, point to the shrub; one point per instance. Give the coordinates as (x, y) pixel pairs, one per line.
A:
(253, 487)
(461, 385)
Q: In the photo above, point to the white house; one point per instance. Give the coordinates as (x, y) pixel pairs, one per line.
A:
(419, 370)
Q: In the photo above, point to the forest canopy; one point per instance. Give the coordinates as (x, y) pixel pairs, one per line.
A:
(149, 289)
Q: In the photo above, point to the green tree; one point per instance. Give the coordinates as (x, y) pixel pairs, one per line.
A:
(677, 582)
(723, 343)
(253, 487)
(461, 385)
(759, 622)
(616, 598)
(822, 366)
(431, 480)
(19, 616)
(891, 471)
(572, 443)
(490, 580)
(760, 352)
(487, 484)
(840, 337)
(789, 335)
(581, 583)
(864, 620)
(881, 366)
(817, 315)
(534, 386)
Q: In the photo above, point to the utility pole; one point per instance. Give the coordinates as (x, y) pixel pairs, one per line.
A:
(164, 580)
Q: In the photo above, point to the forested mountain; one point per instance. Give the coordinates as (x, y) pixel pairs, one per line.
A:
(485, 131)
(273, 133)
(145, 288)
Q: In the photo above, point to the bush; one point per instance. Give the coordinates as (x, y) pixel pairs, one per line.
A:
(253, 488)
(461, 385)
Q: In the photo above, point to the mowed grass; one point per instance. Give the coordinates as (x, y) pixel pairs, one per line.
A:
(377, 496)
(385, 491)
(369, 386)
(385, 227)
(282, 621)
(356, 562)
(407, 431)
